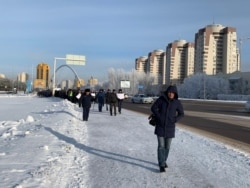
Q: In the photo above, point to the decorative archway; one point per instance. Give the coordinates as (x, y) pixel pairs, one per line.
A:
(70, 69)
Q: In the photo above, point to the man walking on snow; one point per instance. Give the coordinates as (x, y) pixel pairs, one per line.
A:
(168, 110)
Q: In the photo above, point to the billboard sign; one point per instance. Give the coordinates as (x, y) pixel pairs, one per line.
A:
(28, 86)
(125, 84)
(75, 59)
(140, 86)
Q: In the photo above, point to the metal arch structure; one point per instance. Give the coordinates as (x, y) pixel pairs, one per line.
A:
(70, 69)
(70, 58)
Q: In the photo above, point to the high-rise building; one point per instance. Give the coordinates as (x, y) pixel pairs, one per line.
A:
(141, 64)
(92, 81)
(79, 83)
(22, 77)
(156, 66)
(43, 73)
(179, 61)
(66, 84)
(2, 76)
(216, 50)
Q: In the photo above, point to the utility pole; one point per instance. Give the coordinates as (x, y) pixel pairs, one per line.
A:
(240, 43)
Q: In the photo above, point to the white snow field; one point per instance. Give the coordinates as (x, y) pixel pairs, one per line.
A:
(44, 143)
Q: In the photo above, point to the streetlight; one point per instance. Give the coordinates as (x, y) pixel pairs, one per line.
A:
(241, 41)
(54, 74)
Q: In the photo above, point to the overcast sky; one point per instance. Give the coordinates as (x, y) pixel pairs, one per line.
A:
(110, 33)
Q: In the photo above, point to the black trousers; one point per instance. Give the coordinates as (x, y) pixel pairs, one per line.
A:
(112, 106)
(85, 113)
(119, 106)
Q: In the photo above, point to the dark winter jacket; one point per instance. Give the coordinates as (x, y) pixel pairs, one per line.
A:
(167, 113)
(86, 100)
(112, 98)
(107, 97)
(100, 97)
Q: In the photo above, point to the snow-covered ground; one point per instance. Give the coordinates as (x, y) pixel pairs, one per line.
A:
(44, 143)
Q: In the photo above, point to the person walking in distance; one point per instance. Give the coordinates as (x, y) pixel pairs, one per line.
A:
(100, 99)
(107, 99)
(112, 102)
(86, 104)
(120, 97)
(168, 110)
(78, 97)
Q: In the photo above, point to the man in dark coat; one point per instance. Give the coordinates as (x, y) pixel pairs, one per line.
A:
(107, 97)
(112, 102)
(86, 104)
(120, 97)
(168, 110)
(100, 99)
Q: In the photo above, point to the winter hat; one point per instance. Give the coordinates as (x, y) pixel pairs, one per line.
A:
(87, 90)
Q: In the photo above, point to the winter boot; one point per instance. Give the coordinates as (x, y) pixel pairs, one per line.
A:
(162, 169)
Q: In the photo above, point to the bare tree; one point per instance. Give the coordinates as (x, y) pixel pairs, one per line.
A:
(203, 86)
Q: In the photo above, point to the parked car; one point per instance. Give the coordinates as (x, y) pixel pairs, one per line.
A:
(247, 106)
(141, 98)
(125, 96)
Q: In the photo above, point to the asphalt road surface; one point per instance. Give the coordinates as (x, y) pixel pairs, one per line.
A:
(227, 121)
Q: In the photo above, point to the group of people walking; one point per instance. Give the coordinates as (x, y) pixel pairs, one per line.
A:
(114, 100)
(111, 99)
(167, 109)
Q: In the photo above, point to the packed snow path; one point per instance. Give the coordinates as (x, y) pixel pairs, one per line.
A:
(53, 147)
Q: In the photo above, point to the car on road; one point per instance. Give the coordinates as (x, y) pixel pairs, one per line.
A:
(142, 98)
(125, 96)
(247, 106)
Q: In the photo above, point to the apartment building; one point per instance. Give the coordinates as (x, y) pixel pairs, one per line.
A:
(22, 77)
(179, 61)
(66, 84)
(79, 83)
(141, 64)
(156, 66)
(43, 75)
(216, 50)
(2, 76)
(92, 81)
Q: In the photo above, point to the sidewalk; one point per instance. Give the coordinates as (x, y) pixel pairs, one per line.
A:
(53, 147)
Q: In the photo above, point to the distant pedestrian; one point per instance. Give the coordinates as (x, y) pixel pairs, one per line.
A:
(93, 98)
(168, 110)
(100, 99)
(70, 95)
(86, 104)
(107, 94)
(112, 102)
(120, 97)
(78, 97)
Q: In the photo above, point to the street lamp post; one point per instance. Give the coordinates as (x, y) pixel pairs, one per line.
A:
(54, 75)
(241, 41)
